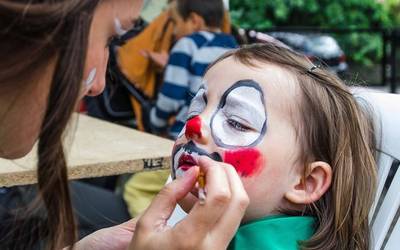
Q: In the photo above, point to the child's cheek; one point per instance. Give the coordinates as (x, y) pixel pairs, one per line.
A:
(246, 161)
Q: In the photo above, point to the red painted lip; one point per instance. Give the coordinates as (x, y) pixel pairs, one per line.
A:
(186, 161)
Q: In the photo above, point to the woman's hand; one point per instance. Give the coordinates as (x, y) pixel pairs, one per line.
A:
(208, 226)
(112, 238)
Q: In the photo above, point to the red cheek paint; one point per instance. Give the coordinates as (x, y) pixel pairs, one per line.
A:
(246, 161)
(193, 127)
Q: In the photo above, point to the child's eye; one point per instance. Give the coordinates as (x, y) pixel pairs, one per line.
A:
(238, 126)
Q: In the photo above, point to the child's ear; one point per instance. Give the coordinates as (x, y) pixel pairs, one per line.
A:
(197, 21)
(313, 186)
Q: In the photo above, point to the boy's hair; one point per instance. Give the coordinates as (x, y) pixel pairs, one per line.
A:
(212, 11)
(333, 128)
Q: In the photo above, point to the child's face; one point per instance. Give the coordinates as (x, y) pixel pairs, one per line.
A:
(244, 118)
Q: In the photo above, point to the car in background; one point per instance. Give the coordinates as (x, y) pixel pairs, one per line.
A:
(317, 47)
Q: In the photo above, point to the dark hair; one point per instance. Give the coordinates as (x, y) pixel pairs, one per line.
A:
(212, 11)
(331, 127)
(32, 33)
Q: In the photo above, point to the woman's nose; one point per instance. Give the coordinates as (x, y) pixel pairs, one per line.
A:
(196, 130)
(97, 88)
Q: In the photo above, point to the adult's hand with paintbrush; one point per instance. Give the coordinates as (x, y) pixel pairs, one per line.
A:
(211, 225)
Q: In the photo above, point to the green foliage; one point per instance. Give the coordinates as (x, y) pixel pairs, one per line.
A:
(393, 7)
(360, 47)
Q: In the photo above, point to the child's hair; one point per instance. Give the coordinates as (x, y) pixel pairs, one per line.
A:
(333, 128)
(212, 11)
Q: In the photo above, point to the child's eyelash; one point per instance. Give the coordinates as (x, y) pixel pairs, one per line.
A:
(237, 125)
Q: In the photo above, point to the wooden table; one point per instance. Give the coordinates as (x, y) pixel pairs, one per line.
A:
(96, 148)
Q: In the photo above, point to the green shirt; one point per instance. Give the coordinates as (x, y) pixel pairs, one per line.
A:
(273, 233)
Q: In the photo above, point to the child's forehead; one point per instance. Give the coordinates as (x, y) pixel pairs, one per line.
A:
(277, 84)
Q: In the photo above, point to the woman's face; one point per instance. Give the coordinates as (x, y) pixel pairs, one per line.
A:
(244, 118)
(22, 110)
(112, 18)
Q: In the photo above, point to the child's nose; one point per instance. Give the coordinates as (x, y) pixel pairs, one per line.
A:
(196, 130)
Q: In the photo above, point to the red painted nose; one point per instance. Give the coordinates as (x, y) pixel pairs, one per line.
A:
(193, 128)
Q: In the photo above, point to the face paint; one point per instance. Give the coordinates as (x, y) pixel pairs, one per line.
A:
(118, 27)
(246, 161)
(193, 128)
(92, 75)
(241, 119)
(198, 103)
(185, 156)
(238, 124)
(183, 131)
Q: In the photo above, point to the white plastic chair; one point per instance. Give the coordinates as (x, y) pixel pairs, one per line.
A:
(386, 209)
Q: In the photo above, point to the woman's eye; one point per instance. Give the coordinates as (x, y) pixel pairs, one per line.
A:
(238, 126)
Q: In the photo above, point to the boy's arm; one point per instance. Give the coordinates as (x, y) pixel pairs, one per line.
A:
(174, 90)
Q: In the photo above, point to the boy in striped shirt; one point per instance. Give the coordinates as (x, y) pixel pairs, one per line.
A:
(201, 42)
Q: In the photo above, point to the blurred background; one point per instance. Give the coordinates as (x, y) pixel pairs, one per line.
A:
(357, 39)
(362, 33)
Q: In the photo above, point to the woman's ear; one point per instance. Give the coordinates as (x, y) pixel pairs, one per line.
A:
(312, 186)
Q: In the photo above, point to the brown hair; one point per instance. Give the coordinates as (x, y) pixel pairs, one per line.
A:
(212, 11)
(31, 34)
(332, 128)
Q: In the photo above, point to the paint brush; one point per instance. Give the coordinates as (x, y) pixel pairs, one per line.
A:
(201, 180)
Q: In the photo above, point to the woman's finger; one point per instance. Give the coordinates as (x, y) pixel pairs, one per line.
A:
(202, 217)
(228, 224)
(188, 202)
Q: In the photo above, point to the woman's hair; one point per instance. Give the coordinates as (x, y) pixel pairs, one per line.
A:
(32, 33)
(333, 128)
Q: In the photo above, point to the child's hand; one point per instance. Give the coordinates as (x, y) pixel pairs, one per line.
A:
(208, 226)
(159, 58)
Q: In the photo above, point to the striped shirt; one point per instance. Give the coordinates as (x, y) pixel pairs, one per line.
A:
(187, 63)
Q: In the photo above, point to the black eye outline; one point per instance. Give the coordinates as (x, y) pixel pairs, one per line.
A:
(240, 83)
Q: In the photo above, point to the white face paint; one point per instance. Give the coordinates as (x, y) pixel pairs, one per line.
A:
(178, 172)
(182, 132)
(89, 80)
(198, 104)
(240, 120)
(118, 27)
